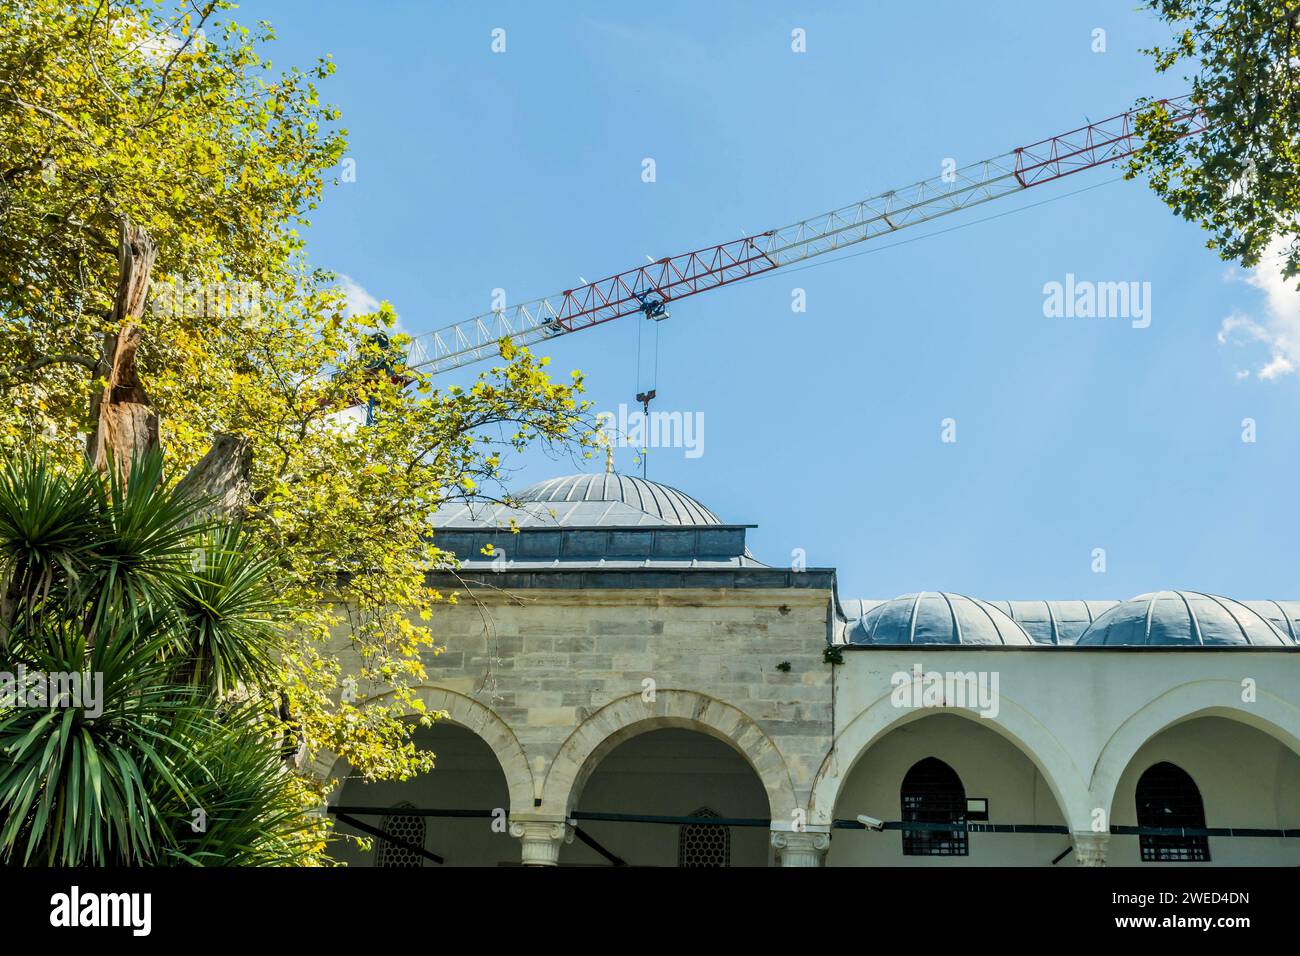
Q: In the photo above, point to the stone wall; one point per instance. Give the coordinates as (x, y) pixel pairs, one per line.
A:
(571, 673)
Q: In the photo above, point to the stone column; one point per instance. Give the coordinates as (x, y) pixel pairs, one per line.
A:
(801, 847)
(540, 840)
(1090, 847)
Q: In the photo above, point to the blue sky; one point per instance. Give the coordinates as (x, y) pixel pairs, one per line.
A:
(522, 171)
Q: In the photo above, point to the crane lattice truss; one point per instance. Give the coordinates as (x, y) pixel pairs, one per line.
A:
(647, 289)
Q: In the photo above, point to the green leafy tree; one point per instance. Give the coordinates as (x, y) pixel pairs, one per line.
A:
(1240, 180)
(151, 147)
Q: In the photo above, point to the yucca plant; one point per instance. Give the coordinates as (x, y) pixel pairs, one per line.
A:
(229, 613)
(49, 526)
(121, 585)
(238, 807)
(74, 782)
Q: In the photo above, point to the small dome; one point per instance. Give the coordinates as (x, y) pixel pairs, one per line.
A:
(1284, 615)
(1182, 619)
(935, 617)
(650, 497)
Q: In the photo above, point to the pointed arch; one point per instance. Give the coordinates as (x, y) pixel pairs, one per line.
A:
(1202, 698)
(1013, 722)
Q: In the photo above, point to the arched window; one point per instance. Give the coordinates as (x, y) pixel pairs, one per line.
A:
(1167, 797)
(406, 827)
(704, 844)
(932, 793)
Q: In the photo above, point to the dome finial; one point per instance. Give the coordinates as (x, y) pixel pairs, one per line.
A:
(603, 439)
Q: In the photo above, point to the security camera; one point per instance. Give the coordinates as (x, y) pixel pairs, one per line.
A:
(871, 823)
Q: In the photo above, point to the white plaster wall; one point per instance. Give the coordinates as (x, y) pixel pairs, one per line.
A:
(1246, 779)
(989, 766)
(1080, 715)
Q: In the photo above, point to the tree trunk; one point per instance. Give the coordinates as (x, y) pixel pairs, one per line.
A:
(222, 477)
(123, 424)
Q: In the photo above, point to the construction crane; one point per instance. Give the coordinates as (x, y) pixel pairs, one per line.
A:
(648, 289)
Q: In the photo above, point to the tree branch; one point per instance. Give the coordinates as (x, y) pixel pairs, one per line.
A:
(61, 358)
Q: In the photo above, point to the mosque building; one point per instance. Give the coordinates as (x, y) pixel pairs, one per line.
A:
(624, 683)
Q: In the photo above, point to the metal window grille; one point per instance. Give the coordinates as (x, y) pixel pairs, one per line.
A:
(932, 793)
(404, 826)
(703, 844)
(1168, 797)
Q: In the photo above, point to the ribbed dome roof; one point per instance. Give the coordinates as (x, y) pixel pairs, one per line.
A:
(1054, 622)
(1182, 619)
(935, 617)
(661, 501)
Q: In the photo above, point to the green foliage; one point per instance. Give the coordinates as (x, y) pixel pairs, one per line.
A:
(1240, 180)
(229, 613)
(253, 814)
(117, 781)
(119, 109)
(48, 529)
(113, 110)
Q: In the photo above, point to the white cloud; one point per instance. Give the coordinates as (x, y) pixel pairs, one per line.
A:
(356, 300)
(1277, 366)
(157, 47)
(1278, 329)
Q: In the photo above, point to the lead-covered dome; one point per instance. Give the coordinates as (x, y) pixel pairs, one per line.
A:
(935, 617)
(650, 497)
(1182, 619)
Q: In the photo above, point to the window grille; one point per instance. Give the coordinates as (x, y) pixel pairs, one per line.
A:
(404, 826)
(1168, 797)
(932, 793)
(704, 844)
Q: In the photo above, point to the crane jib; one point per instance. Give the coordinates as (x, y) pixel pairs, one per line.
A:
(671, 278)
(647, 289)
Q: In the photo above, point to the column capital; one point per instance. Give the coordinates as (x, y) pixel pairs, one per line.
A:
(1090, 847)
(541, 839)
(801, 847)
